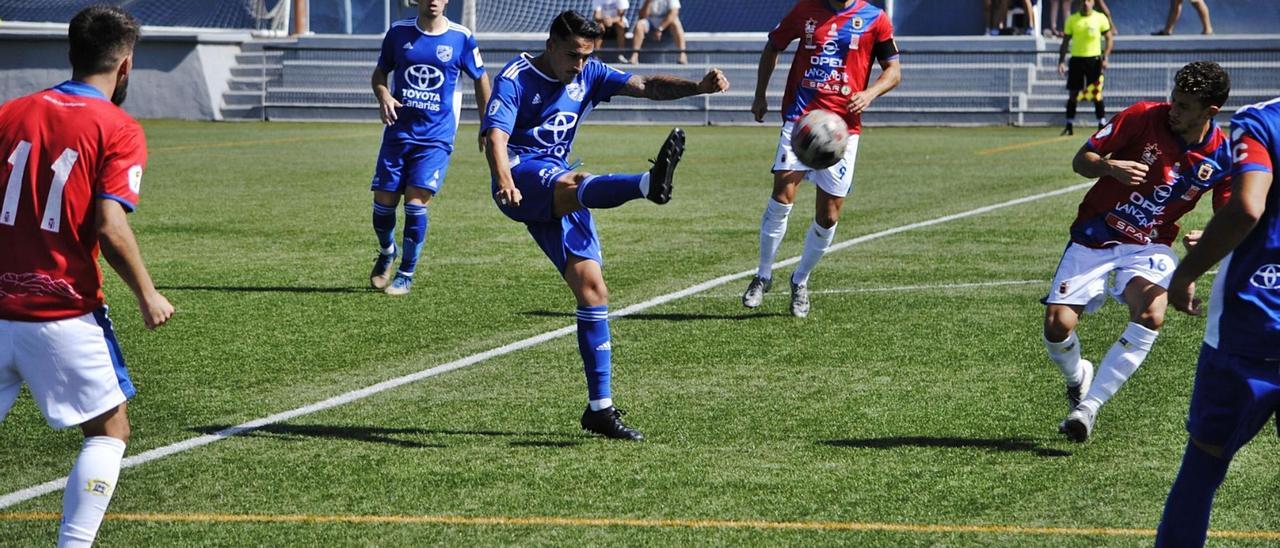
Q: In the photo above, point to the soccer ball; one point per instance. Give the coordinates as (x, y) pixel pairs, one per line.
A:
(819, 139)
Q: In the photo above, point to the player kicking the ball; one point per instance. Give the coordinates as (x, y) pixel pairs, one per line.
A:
(538, 103)
(839, 40)
(1153, 162)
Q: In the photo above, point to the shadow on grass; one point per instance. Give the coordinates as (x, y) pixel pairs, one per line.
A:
(391, 436)
(673, 317)
(265, 289)
(1005, 445)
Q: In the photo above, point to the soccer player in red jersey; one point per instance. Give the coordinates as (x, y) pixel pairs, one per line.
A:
(1153, 163)
(75, 163)
(839, 41)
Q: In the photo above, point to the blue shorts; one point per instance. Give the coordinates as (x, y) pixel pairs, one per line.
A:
(559, 237)
(1234, 397)
(409, 164)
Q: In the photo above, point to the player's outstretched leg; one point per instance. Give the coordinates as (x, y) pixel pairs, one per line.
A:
(613, 190)
(384, 226)
(662, 174)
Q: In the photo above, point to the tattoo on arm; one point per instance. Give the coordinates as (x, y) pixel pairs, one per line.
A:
(660, 88)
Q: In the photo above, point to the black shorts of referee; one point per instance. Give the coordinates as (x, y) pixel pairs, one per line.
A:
(1082, 71)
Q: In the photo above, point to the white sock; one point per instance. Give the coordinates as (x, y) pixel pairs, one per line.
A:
(815, 245)
(604, 403)
(1067, 355)
(89, 489)
(644, 184)
(1121, 361)
(773, 226)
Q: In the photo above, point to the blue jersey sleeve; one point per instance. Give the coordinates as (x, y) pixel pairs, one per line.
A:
(387, 57)
(472, 64)
(606, 81)
(1252, 123)
(500, 113)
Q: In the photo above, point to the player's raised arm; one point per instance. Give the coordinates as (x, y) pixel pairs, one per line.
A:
(768, 62)
(121, 251)
(662, 87)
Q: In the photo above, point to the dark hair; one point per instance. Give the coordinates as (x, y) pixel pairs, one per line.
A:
(571, 23)
(101, 36)
(1206, 80)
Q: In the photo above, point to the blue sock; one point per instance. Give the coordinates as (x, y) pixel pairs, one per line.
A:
(612, 190)
(597, 353)
(384, 225)
(415, 232)
(1186, 511)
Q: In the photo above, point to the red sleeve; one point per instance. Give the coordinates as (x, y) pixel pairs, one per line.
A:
(884, 29)
(789, 29)
(125, 158)
(1250, 155)
(1115, 134)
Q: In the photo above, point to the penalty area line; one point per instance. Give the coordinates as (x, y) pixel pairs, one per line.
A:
(655, 523)
(23, 495)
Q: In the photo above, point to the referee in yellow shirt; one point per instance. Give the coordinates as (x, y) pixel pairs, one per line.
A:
(1085, 32)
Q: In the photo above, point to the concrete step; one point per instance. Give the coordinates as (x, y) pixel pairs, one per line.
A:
(242, 98)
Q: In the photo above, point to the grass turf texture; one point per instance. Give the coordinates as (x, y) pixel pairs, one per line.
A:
(925, 406)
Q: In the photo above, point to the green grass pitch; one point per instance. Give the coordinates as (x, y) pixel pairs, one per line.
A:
(910, 397)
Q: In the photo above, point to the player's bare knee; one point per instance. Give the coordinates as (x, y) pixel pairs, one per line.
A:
(1152, 318)
(1059, 322)
(113, 423)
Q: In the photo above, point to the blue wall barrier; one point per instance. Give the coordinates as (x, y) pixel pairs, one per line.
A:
(910, 17)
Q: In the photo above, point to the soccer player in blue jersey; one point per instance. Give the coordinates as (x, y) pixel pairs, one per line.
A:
(426, 55)
(530, 123)
(1237, 386)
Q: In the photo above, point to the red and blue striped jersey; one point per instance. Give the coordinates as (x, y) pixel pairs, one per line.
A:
(834, 58)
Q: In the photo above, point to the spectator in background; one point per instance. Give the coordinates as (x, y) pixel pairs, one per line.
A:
(997, 11)
(1175, 11)
(611, 15)
(658, 16)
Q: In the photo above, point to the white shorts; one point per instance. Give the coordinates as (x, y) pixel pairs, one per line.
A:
(1082, 273)
(836, 180)
(73, 367)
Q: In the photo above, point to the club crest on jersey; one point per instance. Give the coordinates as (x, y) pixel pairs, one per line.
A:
(810, 27)
(1205, 172)
(857, 23)
(1267, 277)
(444, 53)
(1150, 154)
(575, 91)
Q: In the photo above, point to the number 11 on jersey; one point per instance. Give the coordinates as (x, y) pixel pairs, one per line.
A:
(51, 221)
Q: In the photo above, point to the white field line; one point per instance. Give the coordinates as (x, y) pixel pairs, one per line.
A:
(51, 486)
(896, 288)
